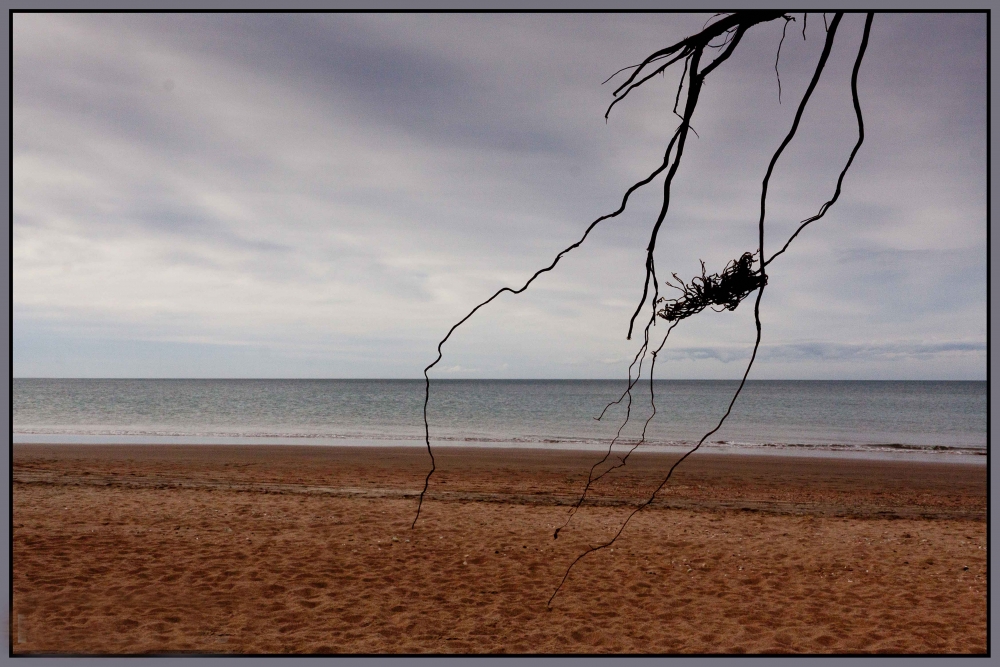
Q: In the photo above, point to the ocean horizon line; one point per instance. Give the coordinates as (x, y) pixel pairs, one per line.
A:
(476, 379)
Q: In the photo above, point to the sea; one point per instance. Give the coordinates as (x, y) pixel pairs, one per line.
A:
(868, 419)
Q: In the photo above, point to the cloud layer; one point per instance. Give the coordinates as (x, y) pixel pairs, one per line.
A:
(324, 195)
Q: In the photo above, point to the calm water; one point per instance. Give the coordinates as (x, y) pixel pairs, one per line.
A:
(899, 418)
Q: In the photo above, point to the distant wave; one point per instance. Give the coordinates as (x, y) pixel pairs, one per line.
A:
(859, 447)
(146, 432)
(522, 440)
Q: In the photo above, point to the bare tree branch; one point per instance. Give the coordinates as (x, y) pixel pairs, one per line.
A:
(831, 33)
(727, 289)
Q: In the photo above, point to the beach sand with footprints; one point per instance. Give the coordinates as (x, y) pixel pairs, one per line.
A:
(226, 549)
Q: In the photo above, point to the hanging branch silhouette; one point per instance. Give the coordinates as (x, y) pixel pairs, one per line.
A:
(732, 287)
(737, 281)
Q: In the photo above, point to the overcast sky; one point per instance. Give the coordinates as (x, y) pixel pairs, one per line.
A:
(325, 195)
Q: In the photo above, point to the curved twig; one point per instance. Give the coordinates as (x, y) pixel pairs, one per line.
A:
(631, 382)
(778, 55)
(611, 446)
(591, 480)
(670, 472)
(652, 403)
(677, 98)
(861, 137)
(659, 70)
(427, 380)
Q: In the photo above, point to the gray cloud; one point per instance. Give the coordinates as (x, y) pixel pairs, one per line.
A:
(310, 183)
(830, 351)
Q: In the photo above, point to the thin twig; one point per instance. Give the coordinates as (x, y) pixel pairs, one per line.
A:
(652, 403)
(861, 137)
(680, 87)
(776, 57)
(427, 380)
(688, 45)
(670, 472)
(611, 446)
(631, 382)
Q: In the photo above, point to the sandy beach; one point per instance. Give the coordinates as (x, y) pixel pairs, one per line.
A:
(227, 549)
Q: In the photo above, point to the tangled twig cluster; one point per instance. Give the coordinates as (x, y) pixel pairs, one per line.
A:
(727, 289)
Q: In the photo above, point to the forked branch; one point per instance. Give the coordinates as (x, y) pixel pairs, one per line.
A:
(738, 280)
